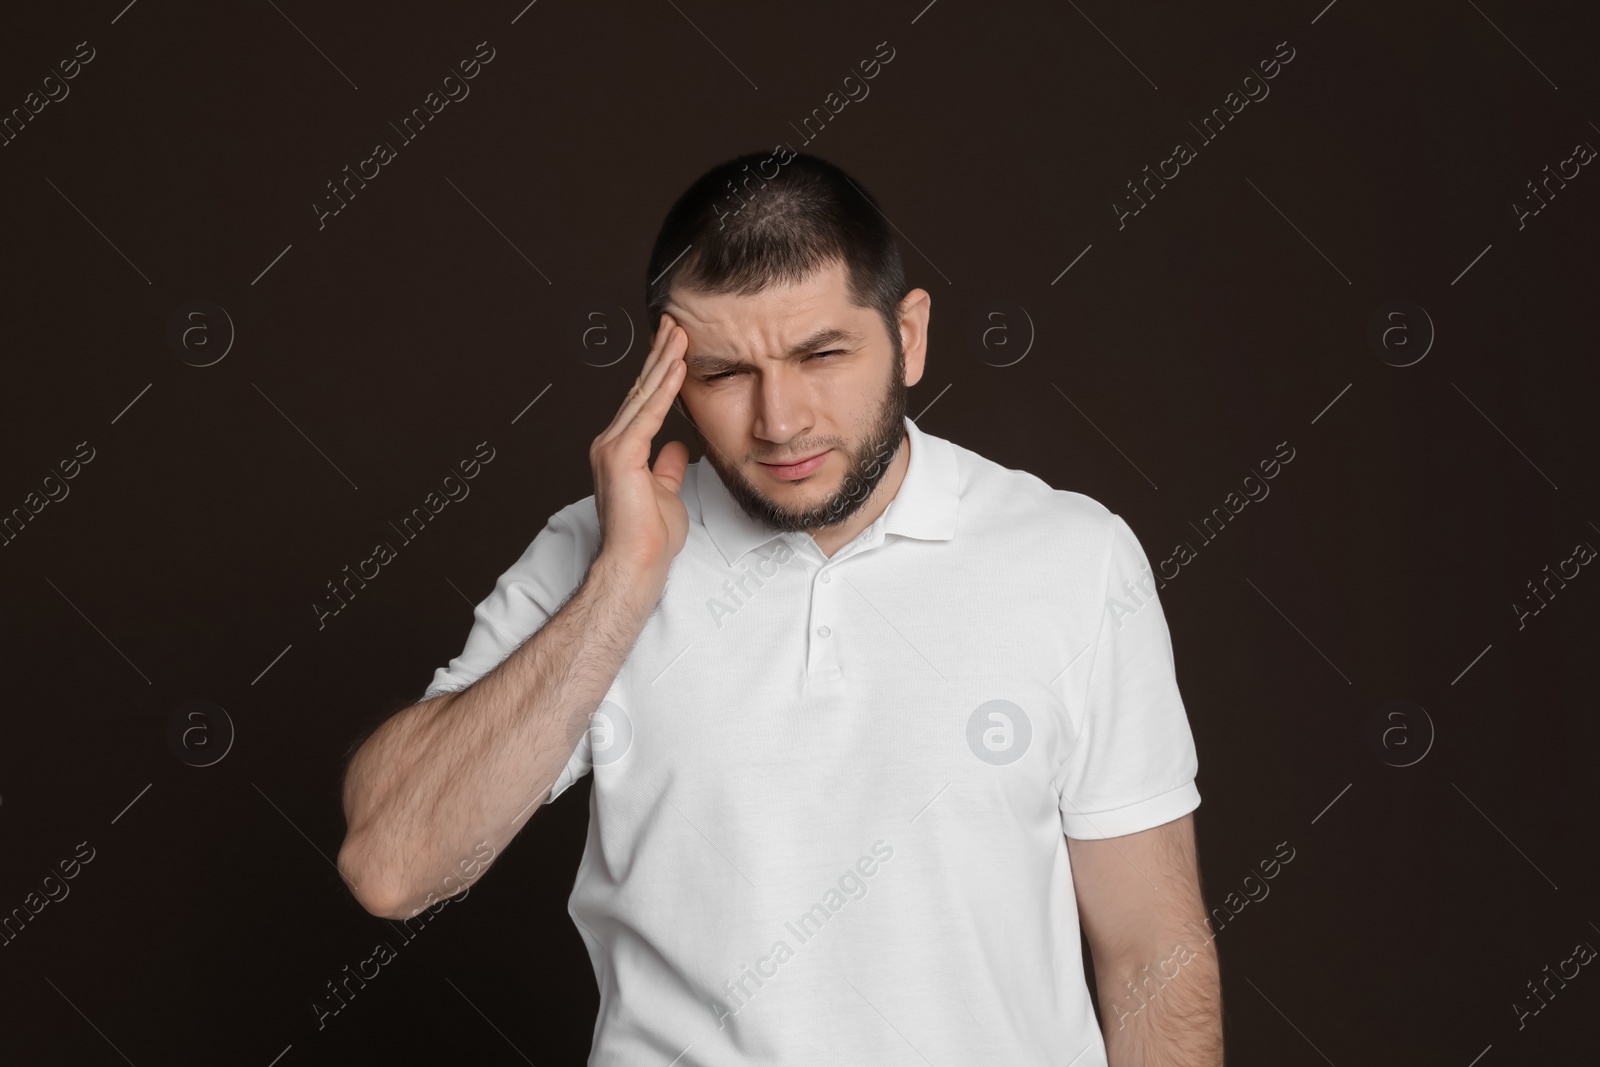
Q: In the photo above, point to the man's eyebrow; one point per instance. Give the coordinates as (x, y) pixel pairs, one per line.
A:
(825, 337)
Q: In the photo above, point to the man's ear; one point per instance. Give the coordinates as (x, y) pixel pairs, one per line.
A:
(915, 308)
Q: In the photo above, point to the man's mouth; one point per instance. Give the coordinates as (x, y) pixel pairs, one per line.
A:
(797, 469)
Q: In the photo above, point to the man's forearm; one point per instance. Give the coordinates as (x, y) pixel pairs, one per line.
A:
(1166, 1009)
(463, 767)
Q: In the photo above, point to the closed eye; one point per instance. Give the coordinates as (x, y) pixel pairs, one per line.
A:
(814, 355)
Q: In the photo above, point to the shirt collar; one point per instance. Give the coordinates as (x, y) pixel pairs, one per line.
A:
(924, 507)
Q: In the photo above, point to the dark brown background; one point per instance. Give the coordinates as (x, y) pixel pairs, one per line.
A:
(378, 351)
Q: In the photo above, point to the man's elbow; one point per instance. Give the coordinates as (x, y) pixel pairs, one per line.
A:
(370, 891)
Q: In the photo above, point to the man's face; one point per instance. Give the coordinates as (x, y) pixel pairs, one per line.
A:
(792, 373)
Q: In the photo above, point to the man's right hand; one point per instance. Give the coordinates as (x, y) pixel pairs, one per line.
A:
(643, 523)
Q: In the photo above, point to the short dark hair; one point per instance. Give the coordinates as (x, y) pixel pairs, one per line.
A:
(740, 229)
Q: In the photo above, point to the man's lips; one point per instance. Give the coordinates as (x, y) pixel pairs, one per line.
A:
(798, 468)
(792, 462)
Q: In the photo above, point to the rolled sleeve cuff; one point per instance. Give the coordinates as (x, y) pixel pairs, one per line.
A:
(1131, 818)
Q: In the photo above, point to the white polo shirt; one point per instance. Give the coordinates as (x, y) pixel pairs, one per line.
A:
(830, 795)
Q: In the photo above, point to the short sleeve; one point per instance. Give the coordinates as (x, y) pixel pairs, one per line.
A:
(1132, 764)
(524, 598)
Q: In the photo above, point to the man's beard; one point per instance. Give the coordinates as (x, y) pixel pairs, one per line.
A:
(867, 465)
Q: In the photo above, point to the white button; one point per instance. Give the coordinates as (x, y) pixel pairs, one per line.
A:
(826, 577)
(823, 631)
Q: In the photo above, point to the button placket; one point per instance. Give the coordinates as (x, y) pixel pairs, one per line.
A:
(823, 659)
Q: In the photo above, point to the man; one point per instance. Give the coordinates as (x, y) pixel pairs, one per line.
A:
(868, 747)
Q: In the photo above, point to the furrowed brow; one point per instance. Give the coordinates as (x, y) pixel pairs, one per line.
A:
(826, 337)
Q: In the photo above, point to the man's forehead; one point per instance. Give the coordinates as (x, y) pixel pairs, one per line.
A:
(797, 322)
(819, 292)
